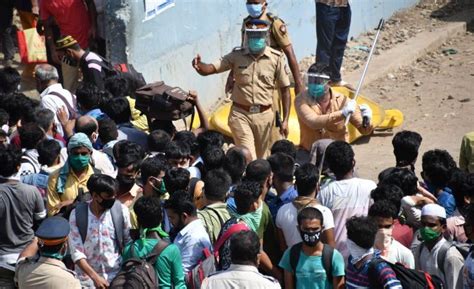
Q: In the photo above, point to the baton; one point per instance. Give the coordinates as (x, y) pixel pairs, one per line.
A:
(372, 49)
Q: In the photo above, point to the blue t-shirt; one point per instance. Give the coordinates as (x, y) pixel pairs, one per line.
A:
(447, 201)
(310, 273)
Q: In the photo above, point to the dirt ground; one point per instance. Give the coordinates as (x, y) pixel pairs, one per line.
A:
(435, 95)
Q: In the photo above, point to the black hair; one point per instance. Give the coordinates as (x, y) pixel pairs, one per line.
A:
(30, 135)
(245, 195)
(181, 202)
(469, 216)
(258, 171)
(210, 138)
(235, 164)
(118, 109)
(388, 192)
(310, 213)
(284, 146)
(405, 147)
(86, 127)
(362, 231)
(283, 166)
(213, 158)
(340, 158)
(48, 152)
(176, 179)
(383, 209)
(99, 183)
(10, 78)
(19, 106)
(244, 247)
(306, 179)
(10, 158)
(189, 138)
(438, 166)
(166, 125)
(44, 118)
(107, 130)
(152, 167)
(88, 96)
(177, 150)
(320, 68)
(216, 185)
(457, 184)
(4, 116)
(158, 140)
(148, 211)
(128, 153)
(403, 178)
(117, 86)
(468, 186)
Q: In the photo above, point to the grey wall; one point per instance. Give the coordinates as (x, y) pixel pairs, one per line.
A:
(163, 47)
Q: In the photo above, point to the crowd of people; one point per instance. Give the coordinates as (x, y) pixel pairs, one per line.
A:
(93, 192)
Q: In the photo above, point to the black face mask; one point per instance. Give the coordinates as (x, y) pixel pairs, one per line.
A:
(125, 182)
(310, 239)
(107, 204)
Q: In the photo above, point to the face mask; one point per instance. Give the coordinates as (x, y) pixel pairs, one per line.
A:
(357, 253)
(58, 255)
(257, 45)
(254, 10)
(107, 204)
(125, 182)
(5, 128)
(161, 190)
(253, 219)
(79, 162)
(310, 239)
(383, 240)
(316, 91)
(428, 234)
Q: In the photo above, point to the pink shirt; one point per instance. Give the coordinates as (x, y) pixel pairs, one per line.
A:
(71, 16)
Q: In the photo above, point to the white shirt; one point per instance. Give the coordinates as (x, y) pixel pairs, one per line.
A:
(397, 253)
(191, 240)
(346, 198)
(53, 102)
(240, 277)
(286, 220)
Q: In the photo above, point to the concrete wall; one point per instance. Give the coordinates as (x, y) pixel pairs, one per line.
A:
(163, 47)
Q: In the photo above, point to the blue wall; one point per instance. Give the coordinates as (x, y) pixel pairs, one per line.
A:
(163, 47)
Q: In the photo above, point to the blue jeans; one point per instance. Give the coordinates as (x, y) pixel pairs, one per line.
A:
(332, 30)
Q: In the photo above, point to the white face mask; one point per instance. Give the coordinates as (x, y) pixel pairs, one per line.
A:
(383, 240)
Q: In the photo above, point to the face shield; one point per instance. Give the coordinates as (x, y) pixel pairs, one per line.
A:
(256, 39)
(317, 85)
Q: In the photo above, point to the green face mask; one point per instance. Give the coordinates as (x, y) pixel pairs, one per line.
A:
(428, 234)
(79, 162)
(253, 219)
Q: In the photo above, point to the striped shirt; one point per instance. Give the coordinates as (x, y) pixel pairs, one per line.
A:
(359, 278)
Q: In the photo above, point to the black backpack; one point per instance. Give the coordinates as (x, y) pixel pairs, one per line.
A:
(328, 252)
(139, 273)
(409, 278)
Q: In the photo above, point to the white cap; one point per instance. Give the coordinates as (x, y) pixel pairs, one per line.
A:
(433, 210)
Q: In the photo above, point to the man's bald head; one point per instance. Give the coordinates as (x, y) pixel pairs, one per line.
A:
(88, 125)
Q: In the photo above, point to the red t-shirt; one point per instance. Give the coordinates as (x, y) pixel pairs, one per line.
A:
(402, 233)
(71, 16)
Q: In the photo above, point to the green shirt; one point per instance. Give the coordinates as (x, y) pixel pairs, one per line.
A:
(310, 273)
(466, 158)
(210, 219)
(168, 266)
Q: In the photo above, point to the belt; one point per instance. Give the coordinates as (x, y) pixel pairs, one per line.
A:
(253, 108)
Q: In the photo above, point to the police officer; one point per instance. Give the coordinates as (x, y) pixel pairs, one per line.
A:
(47, 271)
(258, 70)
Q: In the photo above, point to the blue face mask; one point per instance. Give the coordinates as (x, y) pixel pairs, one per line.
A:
(254, 10)
(316, 91)
(257, 45)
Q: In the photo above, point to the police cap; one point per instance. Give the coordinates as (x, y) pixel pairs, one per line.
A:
(53, 231)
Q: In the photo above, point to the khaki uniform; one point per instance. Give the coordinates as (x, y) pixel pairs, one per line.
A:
(46, 273)
(255, 81)
(279, 38)
(315, 125)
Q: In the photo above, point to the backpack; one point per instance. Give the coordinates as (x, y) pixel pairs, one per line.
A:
(139, 273)
(328, 252)
(82, 215)
(163, 102)
(208, 265)
(409, 278)
(134, 78)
